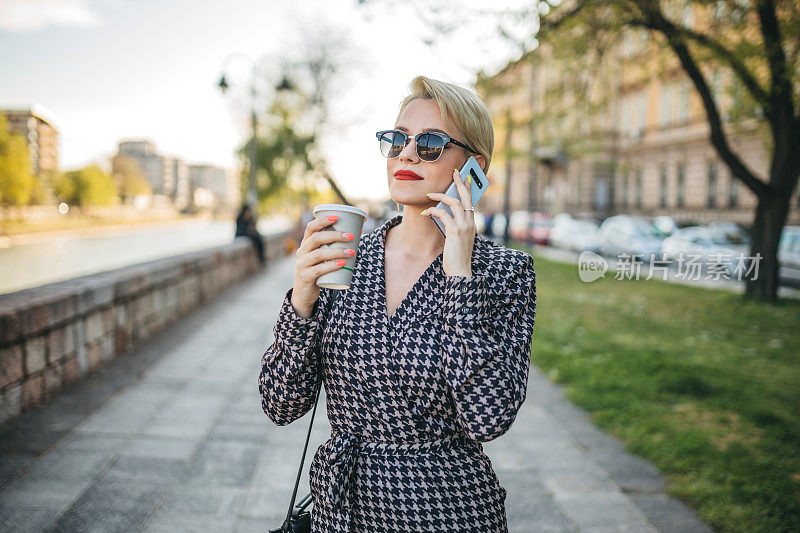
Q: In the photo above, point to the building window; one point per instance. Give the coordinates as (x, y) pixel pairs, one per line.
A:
(711, 199)
(683, 102)
(639, 187)
(733, 191)
(644, 37)
(681, 184)
(666, 104)
(662, 201)
(719, 10)
(625, 184)
(716, 87)
(627, 42)
(642, 112)
(688, 14)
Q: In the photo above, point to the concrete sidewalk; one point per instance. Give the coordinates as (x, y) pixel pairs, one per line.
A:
(172, 438)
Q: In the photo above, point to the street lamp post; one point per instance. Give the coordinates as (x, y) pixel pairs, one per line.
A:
(252, 147)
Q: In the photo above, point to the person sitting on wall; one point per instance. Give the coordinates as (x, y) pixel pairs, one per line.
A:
(246, 227)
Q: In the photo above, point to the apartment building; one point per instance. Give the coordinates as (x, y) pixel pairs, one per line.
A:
(621, 132)
(37, 125)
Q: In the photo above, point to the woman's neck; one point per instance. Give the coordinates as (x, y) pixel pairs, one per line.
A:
(416, 237)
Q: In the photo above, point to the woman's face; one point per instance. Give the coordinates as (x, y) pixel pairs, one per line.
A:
(418, 116)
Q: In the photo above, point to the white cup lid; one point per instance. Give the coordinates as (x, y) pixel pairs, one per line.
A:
(341, 207)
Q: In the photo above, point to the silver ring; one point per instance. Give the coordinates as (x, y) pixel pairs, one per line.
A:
(469, 209)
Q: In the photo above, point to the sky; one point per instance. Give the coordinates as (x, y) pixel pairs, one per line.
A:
(108, 70)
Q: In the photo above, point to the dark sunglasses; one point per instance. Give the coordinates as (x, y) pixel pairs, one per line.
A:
(430, 144)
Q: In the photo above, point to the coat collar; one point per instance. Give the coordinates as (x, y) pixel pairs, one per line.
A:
(426, 296)
(424, 300)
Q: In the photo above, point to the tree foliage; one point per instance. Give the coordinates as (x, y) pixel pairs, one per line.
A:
(281, 151)
(128, 178)
(16, 179)
(88, 186)
(297, 117)
(758, 43)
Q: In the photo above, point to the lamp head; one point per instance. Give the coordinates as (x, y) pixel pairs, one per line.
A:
(285, 84)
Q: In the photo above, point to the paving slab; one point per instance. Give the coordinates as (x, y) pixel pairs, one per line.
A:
(172, 438)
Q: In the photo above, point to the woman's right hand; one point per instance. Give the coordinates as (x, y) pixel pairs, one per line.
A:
(314, 261)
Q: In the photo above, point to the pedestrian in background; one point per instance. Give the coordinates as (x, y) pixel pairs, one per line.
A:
(246, 227)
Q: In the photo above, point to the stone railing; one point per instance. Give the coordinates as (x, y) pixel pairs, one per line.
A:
(54, 334)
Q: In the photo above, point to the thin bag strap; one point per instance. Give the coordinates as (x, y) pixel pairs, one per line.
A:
(287, 523)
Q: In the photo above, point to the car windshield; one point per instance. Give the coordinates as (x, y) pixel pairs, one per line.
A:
(722, 237)
(645, 229)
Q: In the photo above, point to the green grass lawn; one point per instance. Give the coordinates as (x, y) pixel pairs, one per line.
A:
(703, 383)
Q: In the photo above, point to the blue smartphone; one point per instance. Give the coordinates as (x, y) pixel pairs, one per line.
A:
(479, 184)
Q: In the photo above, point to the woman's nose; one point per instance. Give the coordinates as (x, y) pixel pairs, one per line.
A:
(409, 153)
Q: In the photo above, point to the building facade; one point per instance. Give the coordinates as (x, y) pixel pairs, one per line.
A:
(37, 126)
(621, 132)
(167, 175)
(217, 186)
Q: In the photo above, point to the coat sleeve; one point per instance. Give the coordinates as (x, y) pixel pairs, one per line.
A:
(487, 347)
(291, 368)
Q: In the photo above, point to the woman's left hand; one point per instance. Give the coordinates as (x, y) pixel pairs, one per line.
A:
(460, 229)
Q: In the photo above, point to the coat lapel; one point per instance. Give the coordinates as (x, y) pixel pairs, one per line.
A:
(425, 298)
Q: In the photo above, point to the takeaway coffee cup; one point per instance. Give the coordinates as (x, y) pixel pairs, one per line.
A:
(351, 220)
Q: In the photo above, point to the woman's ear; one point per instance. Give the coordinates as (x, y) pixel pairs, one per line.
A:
(482, 162)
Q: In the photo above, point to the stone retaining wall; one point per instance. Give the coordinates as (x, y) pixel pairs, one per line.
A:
(54, 334)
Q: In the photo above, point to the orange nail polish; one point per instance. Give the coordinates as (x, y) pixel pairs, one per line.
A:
(340, 262)
(333, 218)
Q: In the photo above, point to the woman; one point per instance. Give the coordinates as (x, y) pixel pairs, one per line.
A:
(425, 356)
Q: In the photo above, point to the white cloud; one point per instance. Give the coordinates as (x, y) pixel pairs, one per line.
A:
(28, 15)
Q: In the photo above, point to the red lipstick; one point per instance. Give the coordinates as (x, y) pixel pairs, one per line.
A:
(407, 175)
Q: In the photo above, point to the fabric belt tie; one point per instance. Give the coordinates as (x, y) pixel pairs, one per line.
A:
(344, 449)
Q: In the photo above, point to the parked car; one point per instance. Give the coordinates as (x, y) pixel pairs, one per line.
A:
(519, 226)
(561, 232)
(789, 256)
(561, 217)
(695, 243)
(498, 224)
(541, 224)
(480, 222)
(665, 225)
(729, 234)
(586, 236)
(620, 234)
(575, 234)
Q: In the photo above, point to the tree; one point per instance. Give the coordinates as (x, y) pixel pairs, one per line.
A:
(16, 179)
(281, 152)
(758, 43)
(297, 117)
(756, 40)
(86, 187)
(128, 178)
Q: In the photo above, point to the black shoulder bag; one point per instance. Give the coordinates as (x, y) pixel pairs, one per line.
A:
(298, 520)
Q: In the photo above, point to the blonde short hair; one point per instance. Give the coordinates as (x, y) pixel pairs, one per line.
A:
(465, 109)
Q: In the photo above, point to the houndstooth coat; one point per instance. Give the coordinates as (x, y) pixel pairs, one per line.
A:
(409, 397)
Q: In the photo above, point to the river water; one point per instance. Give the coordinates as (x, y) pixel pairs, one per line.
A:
(68, 256)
